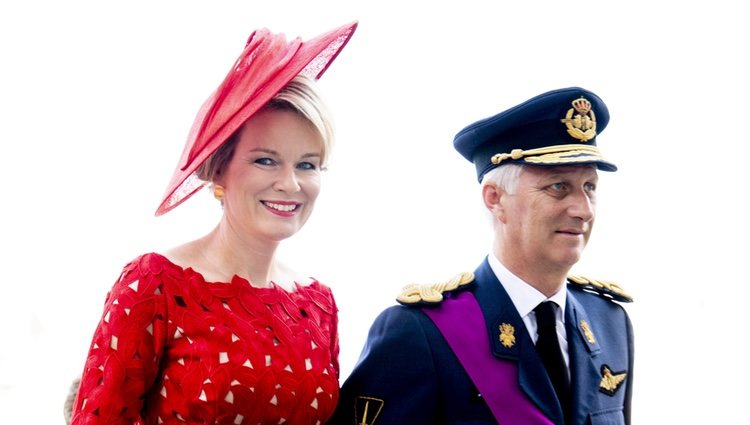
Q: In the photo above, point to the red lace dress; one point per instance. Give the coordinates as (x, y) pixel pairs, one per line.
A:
(172, 348)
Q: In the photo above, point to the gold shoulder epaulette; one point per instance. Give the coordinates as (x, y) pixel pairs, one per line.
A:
(602, 287)
(433, 293)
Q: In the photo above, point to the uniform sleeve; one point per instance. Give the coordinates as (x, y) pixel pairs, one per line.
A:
(394, 381)
(125, 351)
(631, 352)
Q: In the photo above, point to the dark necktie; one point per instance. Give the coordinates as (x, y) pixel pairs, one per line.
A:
(548, 348)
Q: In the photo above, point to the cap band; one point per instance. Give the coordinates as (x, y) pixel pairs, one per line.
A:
(549, 154)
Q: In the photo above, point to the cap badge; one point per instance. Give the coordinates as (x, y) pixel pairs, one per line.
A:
(582, 125)
(611, 381)
(507, 335)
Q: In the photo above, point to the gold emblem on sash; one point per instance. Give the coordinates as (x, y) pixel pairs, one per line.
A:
(507, 335)
(582, 125)
(587, 332)
(611, 381)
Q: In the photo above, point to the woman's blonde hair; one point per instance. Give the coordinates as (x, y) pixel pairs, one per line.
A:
(299, 95)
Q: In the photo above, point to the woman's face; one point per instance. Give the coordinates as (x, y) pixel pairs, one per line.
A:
(273, 179)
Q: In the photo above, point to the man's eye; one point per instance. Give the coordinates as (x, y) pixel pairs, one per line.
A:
(590, 187)
(557, 186)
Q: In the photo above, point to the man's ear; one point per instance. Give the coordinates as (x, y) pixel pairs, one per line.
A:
(492, 196)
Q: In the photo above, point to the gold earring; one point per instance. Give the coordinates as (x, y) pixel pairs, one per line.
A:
(218, 192)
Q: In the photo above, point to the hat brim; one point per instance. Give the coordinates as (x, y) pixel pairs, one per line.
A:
(266, 65)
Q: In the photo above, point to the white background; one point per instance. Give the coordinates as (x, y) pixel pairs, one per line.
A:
(96, 99)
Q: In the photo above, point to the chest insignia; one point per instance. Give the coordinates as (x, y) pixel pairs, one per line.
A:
(507, 335)
(611, 382)
(586, 329)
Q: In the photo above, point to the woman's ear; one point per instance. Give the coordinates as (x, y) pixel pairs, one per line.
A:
(492, 196)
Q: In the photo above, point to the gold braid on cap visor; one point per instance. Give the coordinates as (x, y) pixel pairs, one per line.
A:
(560, 154)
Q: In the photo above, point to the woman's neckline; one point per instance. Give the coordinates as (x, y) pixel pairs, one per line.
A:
(236, 279)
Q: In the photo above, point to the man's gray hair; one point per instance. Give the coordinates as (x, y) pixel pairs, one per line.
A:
(505, 177)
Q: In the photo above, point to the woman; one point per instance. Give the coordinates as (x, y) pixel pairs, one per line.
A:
(217, 330)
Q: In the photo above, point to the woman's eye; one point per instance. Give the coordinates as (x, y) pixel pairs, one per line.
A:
(264, 161)
(307, 166)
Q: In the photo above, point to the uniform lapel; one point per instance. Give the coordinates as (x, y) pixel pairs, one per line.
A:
(582, 348)
(499, 312)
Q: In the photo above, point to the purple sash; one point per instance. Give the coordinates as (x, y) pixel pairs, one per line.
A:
(462, 324)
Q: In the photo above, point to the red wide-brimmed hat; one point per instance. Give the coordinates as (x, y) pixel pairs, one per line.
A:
(265, 66)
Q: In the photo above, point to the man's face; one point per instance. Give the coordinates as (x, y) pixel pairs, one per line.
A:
(548, 220)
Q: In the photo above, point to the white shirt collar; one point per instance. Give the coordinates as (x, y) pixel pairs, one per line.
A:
(524, 296)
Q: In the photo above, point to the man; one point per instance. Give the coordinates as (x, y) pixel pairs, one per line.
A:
(519, 341)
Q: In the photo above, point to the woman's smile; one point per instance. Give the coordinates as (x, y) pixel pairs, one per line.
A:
(282, 208)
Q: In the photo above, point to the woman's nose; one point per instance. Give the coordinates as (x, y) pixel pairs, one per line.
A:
(287, 181)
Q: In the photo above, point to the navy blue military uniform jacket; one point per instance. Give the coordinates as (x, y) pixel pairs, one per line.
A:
(408, 374)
